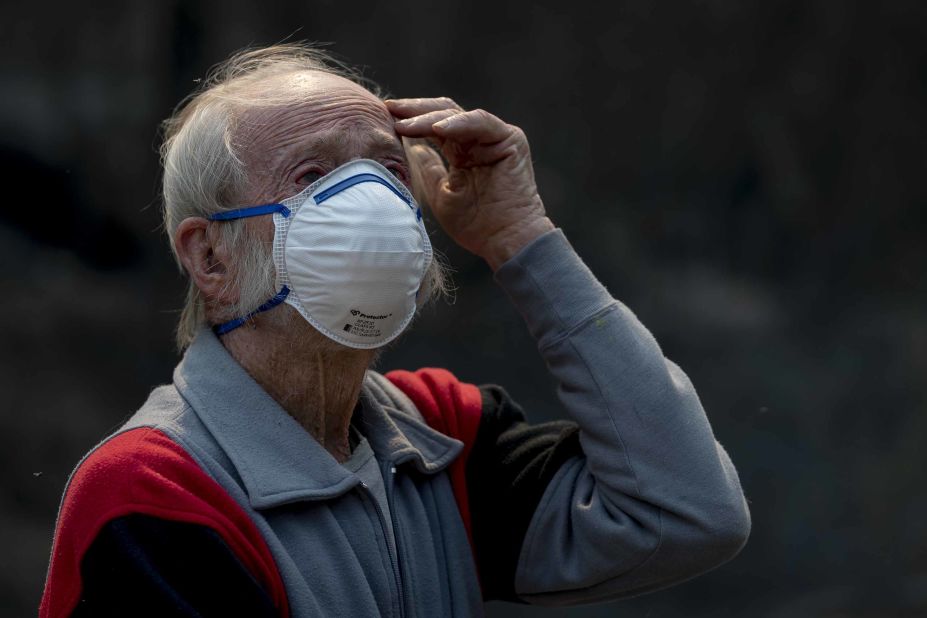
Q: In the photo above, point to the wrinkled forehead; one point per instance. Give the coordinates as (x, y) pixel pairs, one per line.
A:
(283, 108)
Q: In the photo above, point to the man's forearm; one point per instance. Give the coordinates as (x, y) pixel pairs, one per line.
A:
(654, 499)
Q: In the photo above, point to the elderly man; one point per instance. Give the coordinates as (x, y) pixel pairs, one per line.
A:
(279, 475)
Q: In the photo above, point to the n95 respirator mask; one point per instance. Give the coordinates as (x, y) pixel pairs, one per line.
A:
(350, 252)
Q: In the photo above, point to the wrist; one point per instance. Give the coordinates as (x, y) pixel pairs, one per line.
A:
(503, 246)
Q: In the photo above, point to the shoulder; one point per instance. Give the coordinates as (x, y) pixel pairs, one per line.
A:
(146, 470)
(141, 467)
(142, 470)
(448, 404)
(163, 408)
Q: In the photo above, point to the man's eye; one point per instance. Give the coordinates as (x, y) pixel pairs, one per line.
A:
(309, 177)
(399, 171)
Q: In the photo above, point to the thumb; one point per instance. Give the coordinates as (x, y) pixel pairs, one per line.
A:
(427, 170)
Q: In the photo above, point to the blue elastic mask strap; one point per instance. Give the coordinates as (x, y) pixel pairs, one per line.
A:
(221, 329)
(251, 211)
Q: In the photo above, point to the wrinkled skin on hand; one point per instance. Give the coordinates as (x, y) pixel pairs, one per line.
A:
(486, 198)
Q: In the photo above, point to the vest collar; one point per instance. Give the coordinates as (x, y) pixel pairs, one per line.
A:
(277, 460)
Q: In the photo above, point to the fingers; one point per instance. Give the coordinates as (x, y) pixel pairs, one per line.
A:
(406, 108)
(476, 126)
(443, 118)
(421, 126)
(428, 171)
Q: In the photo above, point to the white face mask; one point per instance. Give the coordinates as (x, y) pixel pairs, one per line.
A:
(350, 252)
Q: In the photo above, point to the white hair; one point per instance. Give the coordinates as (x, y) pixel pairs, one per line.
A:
(203, 174)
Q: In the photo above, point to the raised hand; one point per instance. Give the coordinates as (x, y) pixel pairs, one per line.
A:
(486, 199)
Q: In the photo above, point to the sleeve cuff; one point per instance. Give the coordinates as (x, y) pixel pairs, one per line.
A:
(551, 287)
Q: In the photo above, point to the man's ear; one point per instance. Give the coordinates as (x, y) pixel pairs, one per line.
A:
(206, 259)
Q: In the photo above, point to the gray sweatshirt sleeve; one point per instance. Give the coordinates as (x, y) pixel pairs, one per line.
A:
(654, 499)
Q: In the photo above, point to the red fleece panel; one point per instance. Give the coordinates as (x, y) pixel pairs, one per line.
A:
(143, 471)
(452, 407)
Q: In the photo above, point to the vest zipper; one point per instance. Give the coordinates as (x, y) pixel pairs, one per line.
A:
(365, 491)
(388, 471)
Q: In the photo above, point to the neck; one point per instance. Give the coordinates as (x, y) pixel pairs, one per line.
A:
(315, 380)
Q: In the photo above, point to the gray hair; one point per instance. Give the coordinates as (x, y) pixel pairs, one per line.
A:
(203, 174)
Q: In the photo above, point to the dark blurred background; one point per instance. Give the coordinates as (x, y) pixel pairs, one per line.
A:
(747, 176)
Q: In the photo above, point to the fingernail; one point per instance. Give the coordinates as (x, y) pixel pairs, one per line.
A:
(443, 124)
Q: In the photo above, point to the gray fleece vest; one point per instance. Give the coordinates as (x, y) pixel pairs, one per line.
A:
(326, 532)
